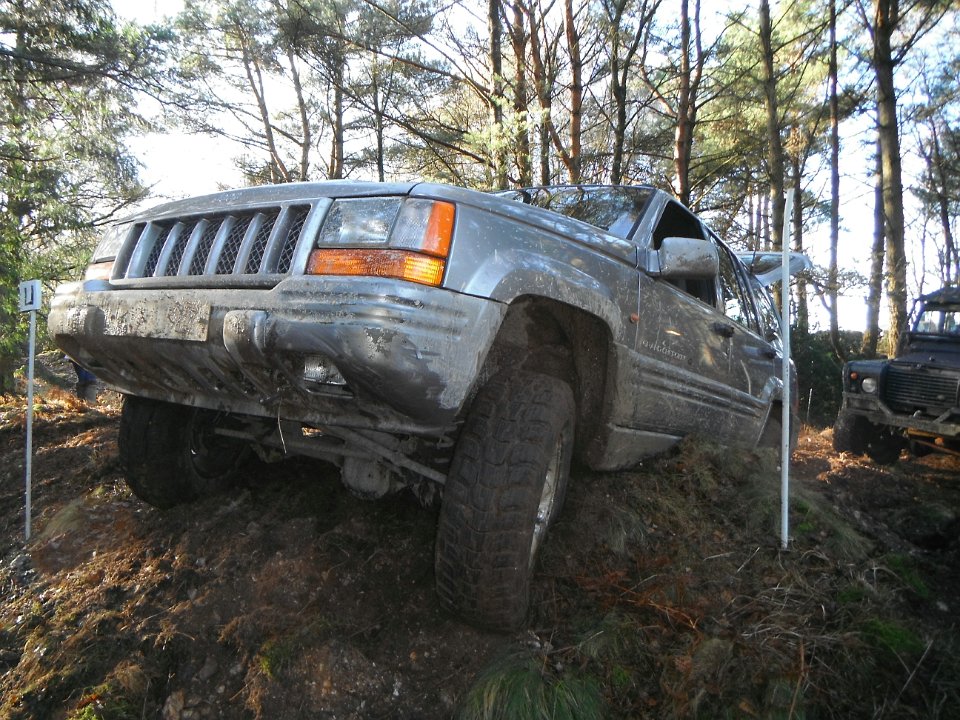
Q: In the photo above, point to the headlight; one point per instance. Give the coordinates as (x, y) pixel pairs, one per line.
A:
(359, 221)
(385, 237)
(101, 264)
(869, 385)
(110, 243)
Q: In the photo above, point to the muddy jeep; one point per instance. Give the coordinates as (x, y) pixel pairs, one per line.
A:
(910, 402)
(427, 337)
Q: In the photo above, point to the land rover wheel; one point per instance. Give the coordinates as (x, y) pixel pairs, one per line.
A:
(883, 446)
(171, 454)
(506, 485)
(850, 433)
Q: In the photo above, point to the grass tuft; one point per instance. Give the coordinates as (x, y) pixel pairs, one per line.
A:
(526, 686)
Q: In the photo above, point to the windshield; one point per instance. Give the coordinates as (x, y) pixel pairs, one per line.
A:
(614, 209)
(939, 320)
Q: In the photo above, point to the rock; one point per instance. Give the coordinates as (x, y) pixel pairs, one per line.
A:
(173, 707)
(208, 669)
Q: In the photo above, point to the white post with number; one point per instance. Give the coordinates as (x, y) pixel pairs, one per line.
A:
(785, 374)
(30, 291)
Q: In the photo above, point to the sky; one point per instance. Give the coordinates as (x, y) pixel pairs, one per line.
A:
(178, 164)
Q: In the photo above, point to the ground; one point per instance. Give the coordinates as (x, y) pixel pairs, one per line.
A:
(663, 592)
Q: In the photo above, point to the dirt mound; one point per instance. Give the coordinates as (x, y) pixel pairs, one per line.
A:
(662, 592)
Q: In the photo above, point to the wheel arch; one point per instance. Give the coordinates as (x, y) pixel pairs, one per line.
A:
(551, 337)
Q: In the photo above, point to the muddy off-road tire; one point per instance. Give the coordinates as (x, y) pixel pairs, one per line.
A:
(506, 485)
(856, 434)
(772, 436)
(850, 433)
(883, 447)
(171, 455)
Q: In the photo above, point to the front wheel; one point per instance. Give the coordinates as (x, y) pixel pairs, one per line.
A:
(850, 433)
(171, 454)
(506, 485)
(855, 434)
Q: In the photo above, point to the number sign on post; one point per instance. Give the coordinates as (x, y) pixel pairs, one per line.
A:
(30, 298)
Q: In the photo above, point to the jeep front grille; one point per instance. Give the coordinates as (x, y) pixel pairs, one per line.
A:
(908, 389)
(249, 242)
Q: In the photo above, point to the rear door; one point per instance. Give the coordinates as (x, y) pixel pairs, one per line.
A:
(752, 352)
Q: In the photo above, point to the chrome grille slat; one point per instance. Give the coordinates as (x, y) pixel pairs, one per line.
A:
(299, 217)
(169, 244)
(250, 236)
(143, 249)
(259, 242)
(227, 256)
(281, 229)
(151, 264)
(219, 242)
(252, 242)
(200, 249)
(188, 249)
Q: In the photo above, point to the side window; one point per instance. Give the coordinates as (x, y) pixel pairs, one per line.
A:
(769, 317)
(676, 221)
(951, 322)
(734, 300)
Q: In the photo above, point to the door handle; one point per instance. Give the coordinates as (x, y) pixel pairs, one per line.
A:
(723, 329)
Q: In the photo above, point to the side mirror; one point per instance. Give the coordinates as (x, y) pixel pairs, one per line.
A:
(767, 266)
(681, 257)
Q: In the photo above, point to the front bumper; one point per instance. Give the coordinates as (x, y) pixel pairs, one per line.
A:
(409, 354)
(947, 425)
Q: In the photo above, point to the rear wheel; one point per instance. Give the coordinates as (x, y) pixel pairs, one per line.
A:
(883, 446)
(772, 435)
(506, 485)
(171, 454)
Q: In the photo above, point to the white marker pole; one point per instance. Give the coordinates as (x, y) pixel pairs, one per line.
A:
(785, 422)
(30, 302)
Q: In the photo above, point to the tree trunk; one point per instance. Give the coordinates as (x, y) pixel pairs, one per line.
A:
(686, 111)
(278, 170)
(796, 221)
(764, 211)
(336, 157)
(833, 276)
(775, 154)
(497, 98)
(541, 84)
(306, 137)
(680, 105)
(938, 186)
(518, 39)
(884, 61)
(871, 335)
(618, 92)
(621, 62)
(380, 102)
(574, 163)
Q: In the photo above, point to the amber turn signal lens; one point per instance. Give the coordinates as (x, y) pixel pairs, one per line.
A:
(436, 239)
(400, 264)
